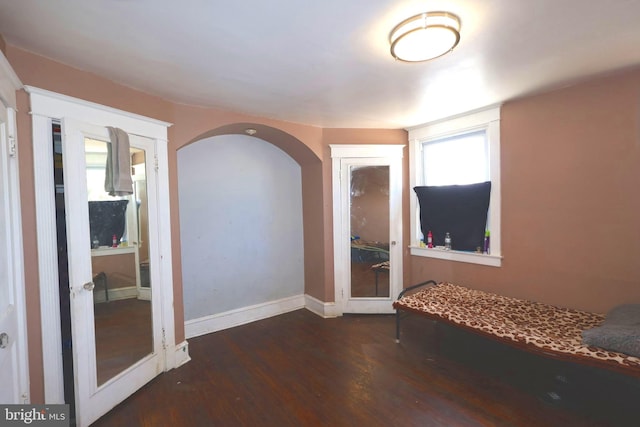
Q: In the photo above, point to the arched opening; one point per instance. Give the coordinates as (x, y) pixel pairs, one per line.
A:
(244, 223)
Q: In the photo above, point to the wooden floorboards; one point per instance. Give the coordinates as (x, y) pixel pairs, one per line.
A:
(124, 335)
(298, 369)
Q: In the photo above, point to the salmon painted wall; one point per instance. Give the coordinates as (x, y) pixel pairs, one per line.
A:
(570, 200)
(30, 250)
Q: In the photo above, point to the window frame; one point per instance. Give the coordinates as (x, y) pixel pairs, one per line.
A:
(489, 121)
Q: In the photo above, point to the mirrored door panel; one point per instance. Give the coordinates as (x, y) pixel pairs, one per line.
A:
(119, 265)
(370, 241)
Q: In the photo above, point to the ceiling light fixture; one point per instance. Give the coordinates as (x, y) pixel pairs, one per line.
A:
(425, 36)
(250, 131)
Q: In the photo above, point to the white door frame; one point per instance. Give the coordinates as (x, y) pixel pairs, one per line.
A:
(391, 155)
(9, 178)
(46, 106)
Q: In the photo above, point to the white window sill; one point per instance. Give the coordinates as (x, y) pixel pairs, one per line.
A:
(458, 256)
(108, 250)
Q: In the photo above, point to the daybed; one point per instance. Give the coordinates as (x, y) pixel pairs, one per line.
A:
(535, 327)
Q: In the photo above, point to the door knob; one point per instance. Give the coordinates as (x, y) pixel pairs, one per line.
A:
(4, 340)
(89, 286)
(393, 243)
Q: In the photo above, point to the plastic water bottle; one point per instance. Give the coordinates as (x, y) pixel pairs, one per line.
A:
(447, 241)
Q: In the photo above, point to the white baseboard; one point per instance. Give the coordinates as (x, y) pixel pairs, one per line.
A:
(217, 322)
(321, 308)
(144, 294)
(182, 354)
(115, 294)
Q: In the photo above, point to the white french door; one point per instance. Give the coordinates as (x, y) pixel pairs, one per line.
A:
(112, 358)
(13, 370)
(367, 188)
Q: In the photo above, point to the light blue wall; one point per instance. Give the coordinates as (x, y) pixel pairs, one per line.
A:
(240, 224)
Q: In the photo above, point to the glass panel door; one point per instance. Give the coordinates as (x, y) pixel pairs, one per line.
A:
(369, 206)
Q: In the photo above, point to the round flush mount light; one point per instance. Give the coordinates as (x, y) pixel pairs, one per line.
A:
(425, 36)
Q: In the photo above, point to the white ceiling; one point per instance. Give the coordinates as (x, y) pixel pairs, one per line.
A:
(327, 62)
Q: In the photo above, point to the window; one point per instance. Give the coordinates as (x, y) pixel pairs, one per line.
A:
(96, 158)
(120, 212)
(459, 159)
(457, 151)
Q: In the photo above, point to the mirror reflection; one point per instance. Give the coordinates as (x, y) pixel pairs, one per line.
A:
(370, 231)
(120, 265)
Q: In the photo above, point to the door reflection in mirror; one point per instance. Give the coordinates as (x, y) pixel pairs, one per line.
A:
(120, 265)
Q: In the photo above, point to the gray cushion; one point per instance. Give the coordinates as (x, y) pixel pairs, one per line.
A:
(627, 314)
(619, 332)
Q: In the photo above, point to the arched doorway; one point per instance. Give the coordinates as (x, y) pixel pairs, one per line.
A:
(243, 234)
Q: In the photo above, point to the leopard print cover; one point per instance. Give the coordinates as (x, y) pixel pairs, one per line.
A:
(552, 330)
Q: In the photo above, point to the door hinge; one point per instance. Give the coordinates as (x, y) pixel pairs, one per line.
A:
(12, 146)
(164, 340)
(155, 162)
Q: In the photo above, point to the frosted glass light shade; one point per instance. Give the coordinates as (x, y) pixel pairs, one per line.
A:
(425, 36)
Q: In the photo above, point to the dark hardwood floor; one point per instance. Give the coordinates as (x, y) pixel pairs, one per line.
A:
(123, 335)
(298, 369)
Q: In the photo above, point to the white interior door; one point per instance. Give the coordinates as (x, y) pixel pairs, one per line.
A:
(368, 227)
(117, 335)
(13, 371)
